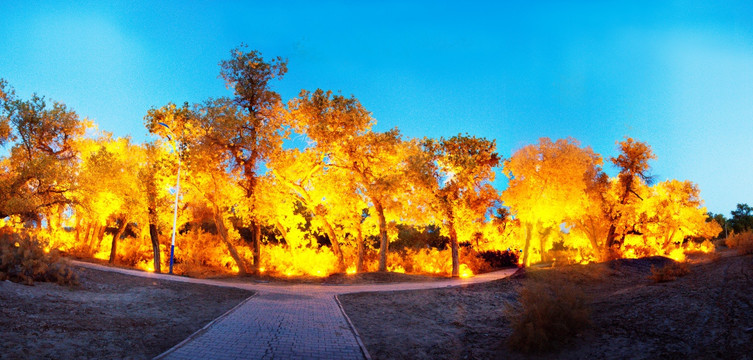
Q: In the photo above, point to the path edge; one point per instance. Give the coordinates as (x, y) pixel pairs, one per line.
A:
(353, 329)
(204, 329)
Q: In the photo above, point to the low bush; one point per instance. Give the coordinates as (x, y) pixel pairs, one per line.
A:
(742, 242)
(669, 272)
(23, 259)
(499, 259)
(551, 311)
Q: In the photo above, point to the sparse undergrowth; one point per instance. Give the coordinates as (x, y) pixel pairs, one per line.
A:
(669, 272)
(24, 260)
(742, 242)
(551, 311)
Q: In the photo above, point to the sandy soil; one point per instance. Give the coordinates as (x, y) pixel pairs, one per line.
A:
(706, 314)
(108, 316)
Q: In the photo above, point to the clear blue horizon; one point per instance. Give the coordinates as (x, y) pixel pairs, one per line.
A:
(678, 75)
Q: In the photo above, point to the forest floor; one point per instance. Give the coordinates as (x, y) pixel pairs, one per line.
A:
(705, 314)
(107, 316)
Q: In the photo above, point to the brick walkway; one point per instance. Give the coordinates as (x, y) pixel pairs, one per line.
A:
(300, 321)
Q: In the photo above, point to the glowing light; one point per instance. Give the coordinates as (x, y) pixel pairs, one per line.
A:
(351, 270)
(102, 255)
(677, 254)
(396, 269)
(465, 271)
(145, 265)
(630, 254)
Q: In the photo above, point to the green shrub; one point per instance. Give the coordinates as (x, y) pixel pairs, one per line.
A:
(24, 260)
(743, 242)
(551, 311)
(669, 272)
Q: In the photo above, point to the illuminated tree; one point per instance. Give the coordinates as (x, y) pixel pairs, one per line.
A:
(548, 185)
(109, 191)
(299, 171)
(634, 171)
(673, 212)
(243, 131)
(339, 129)
(40, 171)
(591, 223)
(204, 166)
(154, 176)
(461, 169)
(380, 164)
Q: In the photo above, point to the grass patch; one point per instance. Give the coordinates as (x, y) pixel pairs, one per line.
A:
(669, 272)
(551, 310)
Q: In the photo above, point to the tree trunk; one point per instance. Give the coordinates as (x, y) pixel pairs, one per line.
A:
(155, 247)
(88, 236)
(101, 235)
(115, 237)
(305, 198)
(668, 240)
(257, 246)
(383, 243)
(359, 263)
(222, 231)
(453, 245)
(611, 235)
(94, 239)
(78, 230)
(335, 244)
(543, 236)
(597, 251)
(527, 246)
(283, 232)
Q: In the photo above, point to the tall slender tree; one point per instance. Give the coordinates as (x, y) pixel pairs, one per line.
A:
(461, 169)
(634, 172)
(243, 130)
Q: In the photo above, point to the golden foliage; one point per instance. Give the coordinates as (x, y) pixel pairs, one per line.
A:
(71, 184)
(298, 261)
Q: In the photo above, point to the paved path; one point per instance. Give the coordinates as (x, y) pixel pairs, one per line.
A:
(284, 321)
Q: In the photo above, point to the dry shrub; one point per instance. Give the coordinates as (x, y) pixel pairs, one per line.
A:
(551, 311)
(497, 259)
(298, 261)
(23, 259)
(134, 250)
(743, 242)
(473, 259)
(435, 261)
(669, 272)
(198, 249)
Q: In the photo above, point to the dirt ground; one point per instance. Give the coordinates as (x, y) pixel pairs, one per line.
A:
(107, 316)
(706, 314)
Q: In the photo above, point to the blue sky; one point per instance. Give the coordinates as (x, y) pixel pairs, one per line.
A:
(676, 74)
